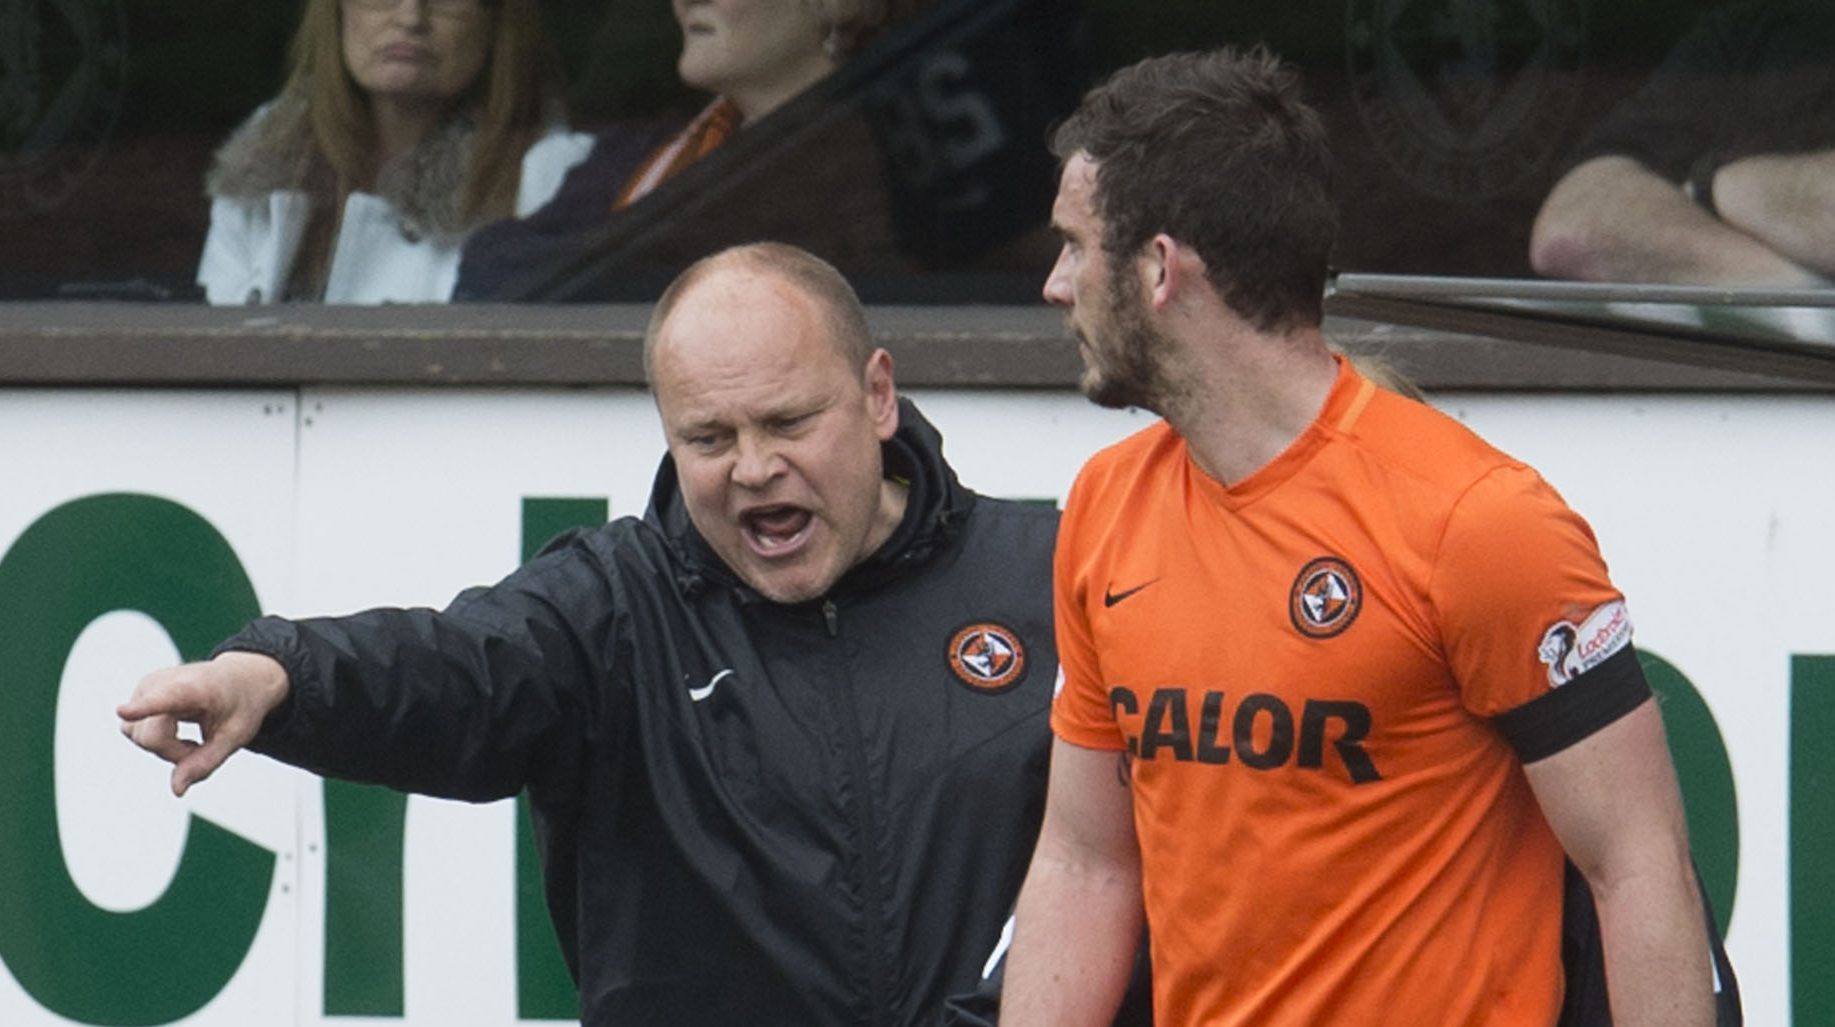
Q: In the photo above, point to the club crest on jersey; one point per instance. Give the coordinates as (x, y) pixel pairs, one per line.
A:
(1569, 650)
(987, 657)
(1326, 596)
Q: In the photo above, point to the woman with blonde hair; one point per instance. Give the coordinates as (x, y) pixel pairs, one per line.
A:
(403, 126)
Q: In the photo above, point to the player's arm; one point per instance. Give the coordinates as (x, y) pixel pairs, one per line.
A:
(1613, 801)
(1079, 917)
(1541, 642)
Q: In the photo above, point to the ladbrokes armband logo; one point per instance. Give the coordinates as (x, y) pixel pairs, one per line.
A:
(62, 71)
(1570, 650)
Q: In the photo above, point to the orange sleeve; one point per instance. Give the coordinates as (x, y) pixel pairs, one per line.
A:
(1080, 711)
(1521, 593)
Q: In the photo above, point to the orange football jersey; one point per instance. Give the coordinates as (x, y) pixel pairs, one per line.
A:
(1308, 669)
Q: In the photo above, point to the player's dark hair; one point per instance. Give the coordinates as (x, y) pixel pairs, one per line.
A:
(1218, 151)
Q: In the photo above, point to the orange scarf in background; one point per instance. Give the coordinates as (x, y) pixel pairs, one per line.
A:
(703, 136)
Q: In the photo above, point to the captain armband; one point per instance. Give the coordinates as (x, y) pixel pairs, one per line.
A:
(1573, 711)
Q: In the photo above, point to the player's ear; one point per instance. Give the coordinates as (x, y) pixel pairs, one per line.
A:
(1167, 267)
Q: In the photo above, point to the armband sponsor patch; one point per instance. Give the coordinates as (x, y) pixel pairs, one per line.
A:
(1570, 650)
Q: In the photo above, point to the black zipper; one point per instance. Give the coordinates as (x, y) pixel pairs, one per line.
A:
(873, 899)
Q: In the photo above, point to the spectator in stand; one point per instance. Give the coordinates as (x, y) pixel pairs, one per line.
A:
(403, 126)
(753, 55)
(1719, 171)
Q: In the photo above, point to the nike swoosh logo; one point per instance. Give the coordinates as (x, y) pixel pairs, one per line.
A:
(1111, 598)
(698, 694)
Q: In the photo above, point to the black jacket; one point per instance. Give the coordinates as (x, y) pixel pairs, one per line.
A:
(749, 812)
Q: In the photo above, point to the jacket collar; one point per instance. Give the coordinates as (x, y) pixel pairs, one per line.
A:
(935, 507)
(274, 151)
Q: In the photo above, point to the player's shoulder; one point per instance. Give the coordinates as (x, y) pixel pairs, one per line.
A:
(1424, 445)
(1434, 465)
(1138, 454)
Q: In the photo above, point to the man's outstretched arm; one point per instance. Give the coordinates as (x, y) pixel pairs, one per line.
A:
(493, 694)
(1079, 918)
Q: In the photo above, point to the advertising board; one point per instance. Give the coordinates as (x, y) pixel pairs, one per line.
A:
(138, 527)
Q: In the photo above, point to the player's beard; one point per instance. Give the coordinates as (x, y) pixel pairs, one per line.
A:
(1127, 354)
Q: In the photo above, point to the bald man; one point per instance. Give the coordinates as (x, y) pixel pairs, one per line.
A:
(784, 736)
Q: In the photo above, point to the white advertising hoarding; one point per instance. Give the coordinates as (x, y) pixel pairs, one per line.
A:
(1713, 512)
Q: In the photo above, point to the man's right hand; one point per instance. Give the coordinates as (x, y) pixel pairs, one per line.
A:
(227, 698)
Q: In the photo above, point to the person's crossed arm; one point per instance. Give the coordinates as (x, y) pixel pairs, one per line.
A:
(1716, 171)
(1785, 200)
(1611, 219)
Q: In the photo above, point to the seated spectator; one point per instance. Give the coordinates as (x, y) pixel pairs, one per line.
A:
(403, 126)
(1720, 171)
(753, 55)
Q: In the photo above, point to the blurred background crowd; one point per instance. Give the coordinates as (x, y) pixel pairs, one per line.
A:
(364, 151)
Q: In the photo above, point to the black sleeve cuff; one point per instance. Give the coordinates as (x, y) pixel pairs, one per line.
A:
(1544, 726)
(260, 637)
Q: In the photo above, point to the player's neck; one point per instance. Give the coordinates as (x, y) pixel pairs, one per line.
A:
(1253, 396)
